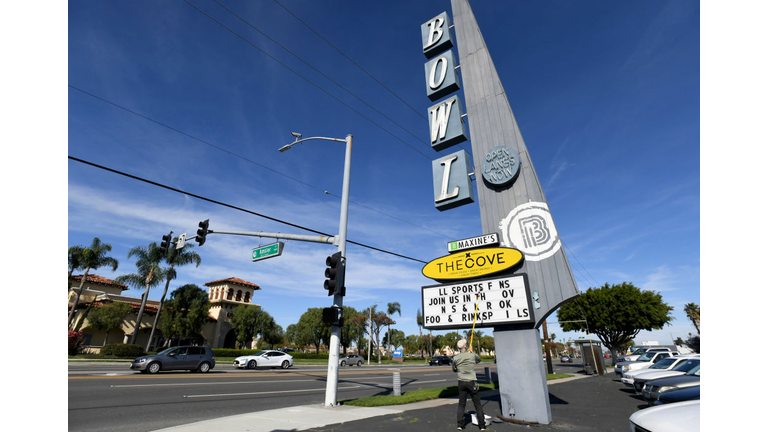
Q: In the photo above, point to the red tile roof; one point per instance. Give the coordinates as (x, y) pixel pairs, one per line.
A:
(234, 280)
(94, 278)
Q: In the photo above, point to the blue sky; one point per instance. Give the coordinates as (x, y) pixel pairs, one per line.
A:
(606, 94)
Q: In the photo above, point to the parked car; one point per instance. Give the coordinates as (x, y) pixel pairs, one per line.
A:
(685, 364)
(645, 361)
(681, 395)
(191, 358)
(640, 351)
(628, 377)
(440, 360)
(269, 358)
(286, 350)
(566, 359)
(654, 389)
(676, 417)
(351, 360)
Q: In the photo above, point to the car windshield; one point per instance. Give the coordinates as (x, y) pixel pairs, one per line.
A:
(694, 371)
(686, 365)
(664, 363)
(646, 357)
(260, 353)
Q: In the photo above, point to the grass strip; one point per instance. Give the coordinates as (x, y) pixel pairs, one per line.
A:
(424, 394)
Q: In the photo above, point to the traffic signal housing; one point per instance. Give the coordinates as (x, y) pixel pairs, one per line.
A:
(165, 244)
(331, 315)
(202, 232)
(334, 274)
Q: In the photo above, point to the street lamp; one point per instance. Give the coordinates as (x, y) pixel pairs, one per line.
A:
(341, 242)
(370, 333)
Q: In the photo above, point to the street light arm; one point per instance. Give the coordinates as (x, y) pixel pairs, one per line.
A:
(288, 146)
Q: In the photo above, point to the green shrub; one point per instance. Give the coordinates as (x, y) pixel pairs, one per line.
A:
(122, 351)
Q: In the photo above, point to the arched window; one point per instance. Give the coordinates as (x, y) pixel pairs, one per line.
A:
(248, 297)
(239, 295)
(230, 293)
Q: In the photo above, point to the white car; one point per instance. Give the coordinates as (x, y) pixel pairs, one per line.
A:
(628, 378)
(675, 417)
(267, 358)
(645, 361)
(679, 369)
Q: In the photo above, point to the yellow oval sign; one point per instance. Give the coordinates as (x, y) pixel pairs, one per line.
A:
(472, 263)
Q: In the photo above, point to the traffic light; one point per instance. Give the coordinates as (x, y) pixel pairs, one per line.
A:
(165, 244)
(335, 274)
(202, 232)
(331, 315)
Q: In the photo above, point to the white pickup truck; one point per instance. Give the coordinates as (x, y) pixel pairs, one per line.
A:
(646, 360)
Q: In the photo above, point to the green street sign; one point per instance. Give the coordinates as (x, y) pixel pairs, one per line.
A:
(268, 251)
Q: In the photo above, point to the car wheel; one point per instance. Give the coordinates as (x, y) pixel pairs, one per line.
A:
(285, 364)
(153, 368)
(360, 363)
(252, 364)
(343, 363)
(204, 367)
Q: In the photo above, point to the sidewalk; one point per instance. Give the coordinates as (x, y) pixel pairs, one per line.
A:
(581, 403)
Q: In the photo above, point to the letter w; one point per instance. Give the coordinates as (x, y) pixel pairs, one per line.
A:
(439, 119)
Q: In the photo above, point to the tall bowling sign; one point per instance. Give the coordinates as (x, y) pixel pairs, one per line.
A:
(512, 202)
(450, 174)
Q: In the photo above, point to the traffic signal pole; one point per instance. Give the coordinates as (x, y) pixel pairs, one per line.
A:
(332, 381)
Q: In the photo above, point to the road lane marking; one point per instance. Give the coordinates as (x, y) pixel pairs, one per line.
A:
(210, 383)
(266, 392)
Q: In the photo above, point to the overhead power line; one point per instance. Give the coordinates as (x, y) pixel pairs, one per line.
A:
(200, 197)
(248, 160)
(309, 81)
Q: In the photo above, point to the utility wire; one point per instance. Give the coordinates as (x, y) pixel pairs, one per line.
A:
(249, 160)
(321, 73)
(235, 207)
(308, 80)
(350, 60)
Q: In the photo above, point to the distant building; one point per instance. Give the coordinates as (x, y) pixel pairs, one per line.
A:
(224, 294)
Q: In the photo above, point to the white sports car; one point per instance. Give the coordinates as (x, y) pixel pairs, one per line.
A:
(272, 359)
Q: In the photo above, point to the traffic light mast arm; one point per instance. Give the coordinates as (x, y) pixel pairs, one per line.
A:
(300, 237)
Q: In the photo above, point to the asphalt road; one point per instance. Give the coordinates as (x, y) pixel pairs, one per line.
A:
(111, 397)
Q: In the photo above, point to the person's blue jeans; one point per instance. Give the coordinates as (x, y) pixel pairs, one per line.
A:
(471, 388)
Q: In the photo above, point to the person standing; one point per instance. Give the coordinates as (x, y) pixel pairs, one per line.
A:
(464, 363)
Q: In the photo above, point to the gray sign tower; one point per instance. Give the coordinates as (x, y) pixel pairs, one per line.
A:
(513, 205)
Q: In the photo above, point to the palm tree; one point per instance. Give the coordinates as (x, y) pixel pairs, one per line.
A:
(74, 261)
(176, 258)
(694, 314)
(93, 257)
(391, 309)
(420, 323)
(149, 274)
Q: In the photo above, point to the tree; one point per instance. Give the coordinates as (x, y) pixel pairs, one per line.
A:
(350, 329)
(74, 262)
(693, 312)
(245, 323)
(379, 320)
(311, 330)
(186, 312)
(391, 309)
(271, 332)
(149, 274)
(396, 338)
(451, 339)
(176, 258)
(420, 323)
(108, 316)
(93, 257)
(615, 313)
(359, 322)
(487, 343)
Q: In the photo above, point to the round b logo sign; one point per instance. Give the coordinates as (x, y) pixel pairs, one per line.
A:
(530, 229)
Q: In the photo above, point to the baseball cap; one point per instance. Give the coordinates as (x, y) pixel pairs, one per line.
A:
(462, 344)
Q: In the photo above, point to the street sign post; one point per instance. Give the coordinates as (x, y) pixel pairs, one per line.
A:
(268, 251)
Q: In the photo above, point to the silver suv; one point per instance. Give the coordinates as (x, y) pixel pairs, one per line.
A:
(191, 358)
(351, 360)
